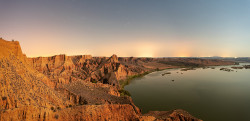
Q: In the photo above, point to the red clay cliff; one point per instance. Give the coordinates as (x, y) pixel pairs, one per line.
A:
(78, 87)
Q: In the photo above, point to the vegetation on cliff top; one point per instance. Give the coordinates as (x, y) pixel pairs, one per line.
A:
(125, 82)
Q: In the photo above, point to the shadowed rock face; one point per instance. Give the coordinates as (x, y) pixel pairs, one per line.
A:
(75, 87)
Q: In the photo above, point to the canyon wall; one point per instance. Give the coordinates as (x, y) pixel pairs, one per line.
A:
(78, 87)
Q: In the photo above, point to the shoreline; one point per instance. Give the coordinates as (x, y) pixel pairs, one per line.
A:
(140, 93)
(125, 82)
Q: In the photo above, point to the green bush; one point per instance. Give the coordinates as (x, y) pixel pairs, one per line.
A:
(124, 92)
(123, 83)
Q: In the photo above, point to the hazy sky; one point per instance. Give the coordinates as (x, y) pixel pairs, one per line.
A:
(154, 28)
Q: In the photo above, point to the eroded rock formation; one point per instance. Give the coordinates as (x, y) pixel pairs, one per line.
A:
(77, 87)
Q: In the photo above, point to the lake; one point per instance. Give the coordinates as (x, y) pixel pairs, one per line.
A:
(208, 94)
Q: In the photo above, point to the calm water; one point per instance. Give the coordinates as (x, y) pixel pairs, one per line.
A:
(209, 94)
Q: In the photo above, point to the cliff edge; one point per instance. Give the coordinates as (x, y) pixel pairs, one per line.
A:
(68, 88)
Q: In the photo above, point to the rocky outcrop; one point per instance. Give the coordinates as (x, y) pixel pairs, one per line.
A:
(174, 115)
(11, 48)
(78, 87)
(62, 69)
(226, 69)
(100, 112)
(21, 85)
(246, 66)
(27, 94)
(116, 112)
(76, 113)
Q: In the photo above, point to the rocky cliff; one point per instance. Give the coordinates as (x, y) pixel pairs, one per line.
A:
(21, 85)
(62, 69)
(11, 48)
(71, 87)
(107, 112)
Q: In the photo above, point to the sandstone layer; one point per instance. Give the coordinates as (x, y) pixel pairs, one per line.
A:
(78, 87)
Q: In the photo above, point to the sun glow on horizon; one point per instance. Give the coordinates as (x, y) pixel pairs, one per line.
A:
(146, 50)
(183, 53)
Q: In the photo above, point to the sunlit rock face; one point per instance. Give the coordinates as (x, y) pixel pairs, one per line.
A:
(11, 48)
(62, 69)
(78, 87)
(27, 94)
(21, 85)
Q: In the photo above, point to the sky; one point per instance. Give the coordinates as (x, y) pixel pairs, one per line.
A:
(139, 28)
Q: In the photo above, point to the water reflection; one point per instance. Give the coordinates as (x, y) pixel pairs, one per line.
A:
(210, 93)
